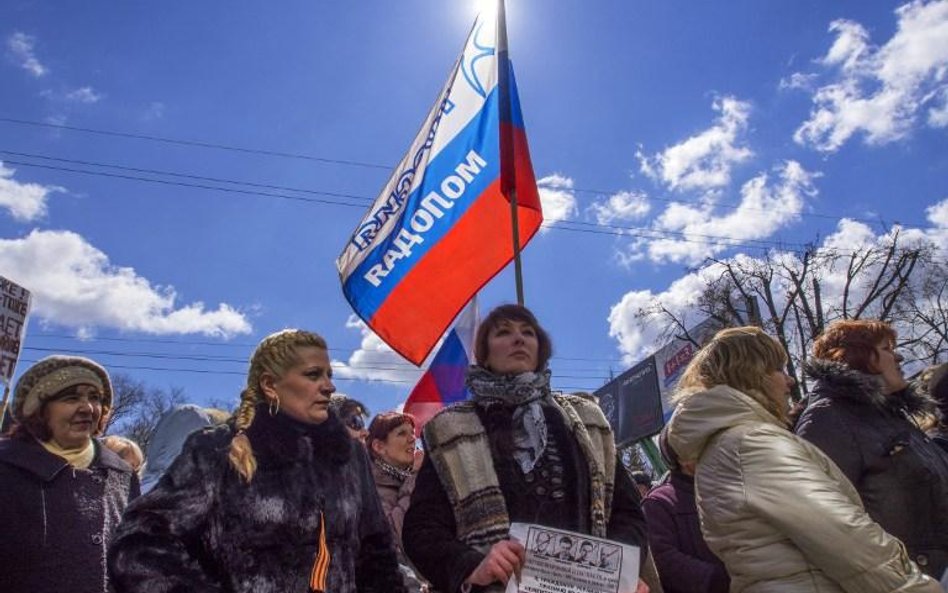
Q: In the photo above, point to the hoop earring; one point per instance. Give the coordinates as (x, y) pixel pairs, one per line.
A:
(274, 406)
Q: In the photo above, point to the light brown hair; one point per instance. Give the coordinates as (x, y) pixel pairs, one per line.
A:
(739, 357)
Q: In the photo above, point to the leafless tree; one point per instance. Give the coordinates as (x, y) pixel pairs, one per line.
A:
(798, 294)
(138, 407)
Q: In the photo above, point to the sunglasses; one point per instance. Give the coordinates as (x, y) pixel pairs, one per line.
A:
(355, 422)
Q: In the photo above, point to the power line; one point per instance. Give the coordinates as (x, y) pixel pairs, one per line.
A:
(185, 175)
(194, 143)
(363, 164)
(594, 228)
(366, 366)
(729, 205)
(191, 185)
(244, 374)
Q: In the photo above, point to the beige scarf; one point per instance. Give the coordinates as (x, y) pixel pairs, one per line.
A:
(80, 458)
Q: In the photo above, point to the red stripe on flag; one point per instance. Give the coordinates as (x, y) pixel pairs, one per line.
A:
(431, 295)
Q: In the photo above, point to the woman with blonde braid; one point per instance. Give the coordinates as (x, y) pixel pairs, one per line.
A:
(279, 499)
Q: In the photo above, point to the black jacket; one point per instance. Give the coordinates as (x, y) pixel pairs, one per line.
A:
(56, 521)
(203, 529)
(900, 473)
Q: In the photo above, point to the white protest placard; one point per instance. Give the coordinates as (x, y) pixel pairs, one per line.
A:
(560, 561)
(14, 309)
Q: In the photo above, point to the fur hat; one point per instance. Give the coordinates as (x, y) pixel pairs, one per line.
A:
(52, 375)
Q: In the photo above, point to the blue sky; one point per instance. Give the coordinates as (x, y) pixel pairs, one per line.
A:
(699, 129)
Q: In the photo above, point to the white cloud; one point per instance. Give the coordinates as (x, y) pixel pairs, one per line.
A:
(20, 46)
(798, 80)
(637, 340)
(880, 92)
(374, 360)
(558, 198)
(74, 285)
(637, 319)
(25, 201)
(84, 94)
(704, 161)
(624, 205)
(693, 232)
(938, 214)
(938, 114)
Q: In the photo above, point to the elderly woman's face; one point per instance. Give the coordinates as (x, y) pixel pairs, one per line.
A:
(304, 390)
(512, 347)
(73, 416)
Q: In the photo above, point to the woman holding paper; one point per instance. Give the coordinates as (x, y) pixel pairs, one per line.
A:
(513, 453)
(774, 508)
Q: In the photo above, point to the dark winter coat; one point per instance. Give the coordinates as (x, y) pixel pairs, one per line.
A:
(203, 529)
(56, 521)
(900, 473)
(555, 494)
(684, 561)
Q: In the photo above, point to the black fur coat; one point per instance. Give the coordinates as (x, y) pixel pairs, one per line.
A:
(203, 529)
(900, 473)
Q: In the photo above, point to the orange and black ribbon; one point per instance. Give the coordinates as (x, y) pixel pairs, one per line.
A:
(317, 578)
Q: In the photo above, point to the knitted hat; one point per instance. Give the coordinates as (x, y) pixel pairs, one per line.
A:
(52, 375)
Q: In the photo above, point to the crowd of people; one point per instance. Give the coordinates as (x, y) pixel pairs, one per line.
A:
(845, 491)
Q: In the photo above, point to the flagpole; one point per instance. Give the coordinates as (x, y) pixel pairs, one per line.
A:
(508, 166)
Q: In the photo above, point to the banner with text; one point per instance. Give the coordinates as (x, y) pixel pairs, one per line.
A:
(14, 309)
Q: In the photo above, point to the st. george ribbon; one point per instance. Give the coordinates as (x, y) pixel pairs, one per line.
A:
(441, 228)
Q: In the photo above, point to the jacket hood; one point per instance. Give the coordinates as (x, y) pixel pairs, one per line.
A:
(838, 381)
(702, 415)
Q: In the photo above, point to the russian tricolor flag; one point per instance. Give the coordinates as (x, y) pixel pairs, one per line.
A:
(441, 228)
(443, 382)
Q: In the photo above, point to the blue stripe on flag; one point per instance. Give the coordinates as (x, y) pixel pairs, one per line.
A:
(481, 134)
(448, 369)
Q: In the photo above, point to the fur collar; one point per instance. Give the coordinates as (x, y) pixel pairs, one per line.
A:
(837, 381)
(280, 440)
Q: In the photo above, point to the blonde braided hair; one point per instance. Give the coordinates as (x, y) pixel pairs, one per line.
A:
(275, 354)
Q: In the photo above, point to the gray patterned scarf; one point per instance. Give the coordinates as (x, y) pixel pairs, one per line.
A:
(523, 392)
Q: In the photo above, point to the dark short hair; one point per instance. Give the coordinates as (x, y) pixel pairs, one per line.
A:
(345, 406)
(512, 313)
(853, 341)
(383, 424)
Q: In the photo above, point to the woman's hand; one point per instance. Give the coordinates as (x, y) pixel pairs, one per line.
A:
(502, 560)
(642, 588)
